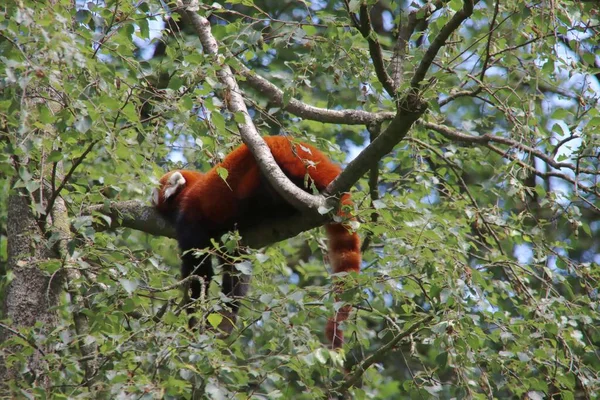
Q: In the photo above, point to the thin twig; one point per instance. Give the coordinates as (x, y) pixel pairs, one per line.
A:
(384, 350)
(489, 41)
(486, 138)
(74, 166)
(28, 341)
(175, 285)
(306, 111)
(373, 187)
(364, 27)
(440, 40)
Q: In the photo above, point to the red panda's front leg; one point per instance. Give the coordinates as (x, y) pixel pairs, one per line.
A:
(191, 238)
(234, 286)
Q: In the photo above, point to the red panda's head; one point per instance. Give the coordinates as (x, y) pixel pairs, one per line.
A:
(166, 198)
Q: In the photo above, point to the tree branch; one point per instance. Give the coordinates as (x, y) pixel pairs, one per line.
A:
(405, 31)
(374, 131)
(486, 138)
(457, 94)
(384, 350)
(30, 342)
(295, 196)
(132, 214)
(440, 40)
(65, 180)
(303, 110)
(364, 27)
(486, 60)
(136, 215)
(410, 110)
(544, 175)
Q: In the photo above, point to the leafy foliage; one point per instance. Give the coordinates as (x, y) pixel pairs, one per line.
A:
(482, 223)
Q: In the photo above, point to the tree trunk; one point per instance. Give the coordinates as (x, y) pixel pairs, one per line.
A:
(30, 296)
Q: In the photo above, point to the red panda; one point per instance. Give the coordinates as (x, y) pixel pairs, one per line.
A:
(205, 206)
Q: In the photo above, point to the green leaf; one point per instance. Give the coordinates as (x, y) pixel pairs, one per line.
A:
(354, 5)
(55, 156)
(442, 359)
(215, 319)
(129, 285)
(560, 114)
(322, 355)
(455, 5)
(287, 96)
(239, 117)
(223, 173)
(24, 174)
(244, 267)
(83, 124)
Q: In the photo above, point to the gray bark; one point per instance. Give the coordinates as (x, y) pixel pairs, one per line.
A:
(31, 294)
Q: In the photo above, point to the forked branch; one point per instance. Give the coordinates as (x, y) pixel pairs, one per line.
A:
(440, 40)
(364, 27)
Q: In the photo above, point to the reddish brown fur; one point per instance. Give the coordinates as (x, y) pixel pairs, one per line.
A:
(208, 199)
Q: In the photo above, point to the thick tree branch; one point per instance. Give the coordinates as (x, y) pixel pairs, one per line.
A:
(135, 215)
(297, 197)
(132, 214)
(142, 217)
(410, 110)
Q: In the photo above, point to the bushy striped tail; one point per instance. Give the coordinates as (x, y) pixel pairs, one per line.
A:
(344, 256)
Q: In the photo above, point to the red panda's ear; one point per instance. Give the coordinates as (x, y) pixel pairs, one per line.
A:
(174, 184)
